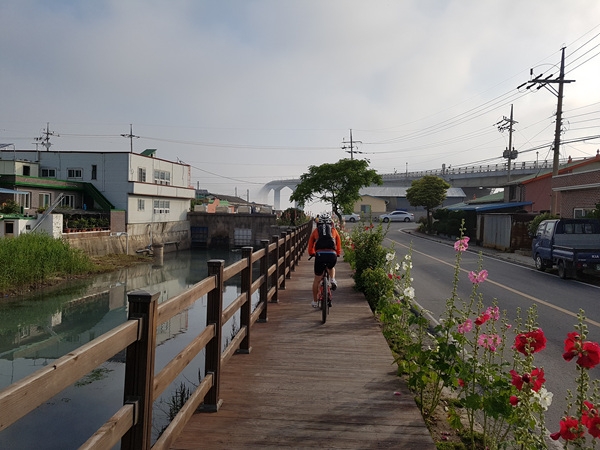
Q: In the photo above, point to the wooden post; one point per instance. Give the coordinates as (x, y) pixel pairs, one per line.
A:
(293, 249)
(264, 288)
(275, 276)
(283, 254)
(246, 309)
(139, 369)
(214, 315)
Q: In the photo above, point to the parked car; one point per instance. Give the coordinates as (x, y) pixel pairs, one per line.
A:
(572, 245)
(397, 216)
(351, 217)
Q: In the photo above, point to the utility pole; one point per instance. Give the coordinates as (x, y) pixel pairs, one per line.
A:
(45, 141)
(546, 82)
(130, 136)
(351, 146)
(510, 153)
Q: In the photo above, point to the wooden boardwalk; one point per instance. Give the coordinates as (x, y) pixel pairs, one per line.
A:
(309, 385)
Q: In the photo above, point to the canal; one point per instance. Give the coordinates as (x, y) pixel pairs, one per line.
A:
(39, 328)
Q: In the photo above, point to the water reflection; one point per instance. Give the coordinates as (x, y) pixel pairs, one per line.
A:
(35, 330)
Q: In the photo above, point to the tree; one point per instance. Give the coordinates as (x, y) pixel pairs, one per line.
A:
(337, 183)
(430, 192)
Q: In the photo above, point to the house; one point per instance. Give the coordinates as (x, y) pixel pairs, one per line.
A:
(152, 194)
(577, 188)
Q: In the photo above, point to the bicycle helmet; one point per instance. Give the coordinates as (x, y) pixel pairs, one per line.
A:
(325, 218)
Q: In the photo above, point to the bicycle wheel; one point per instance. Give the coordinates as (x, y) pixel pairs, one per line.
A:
(325, 300)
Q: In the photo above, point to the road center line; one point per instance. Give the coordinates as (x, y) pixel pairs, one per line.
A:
(503, 286)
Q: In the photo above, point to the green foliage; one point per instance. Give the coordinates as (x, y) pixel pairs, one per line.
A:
(448, 222)
(292, 217)
(533, 225)
(594, 213)
(33, 258)
(377, 285)
(429, 192)
(365, 252)
(336, 183)
(10, 207)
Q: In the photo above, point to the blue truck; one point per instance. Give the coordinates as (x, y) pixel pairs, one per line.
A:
(572, 245)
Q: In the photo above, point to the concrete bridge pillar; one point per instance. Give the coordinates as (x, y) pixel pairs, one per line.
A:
(277, 198)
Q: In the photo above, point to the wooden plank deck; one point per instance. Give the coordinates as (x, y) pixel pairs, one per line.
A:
(308, 385)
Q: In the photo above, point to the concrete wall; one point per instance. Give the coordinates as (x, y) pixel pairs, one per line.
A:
(221, 228)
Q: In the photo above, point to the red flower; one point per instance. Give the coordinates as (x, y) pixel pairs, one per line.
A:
(588, 412)
(530, 342)
(482, 319)
(514, 400)
(588, 353)
(593, 426)
(535, 379)
(569, 429)
(461, 382)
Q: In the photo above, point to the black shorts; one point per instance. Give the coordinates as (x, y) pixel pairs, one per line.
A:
(323, 260)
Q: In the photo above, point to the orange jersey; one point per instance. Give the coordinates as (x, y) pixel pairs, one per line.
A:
(315, 235)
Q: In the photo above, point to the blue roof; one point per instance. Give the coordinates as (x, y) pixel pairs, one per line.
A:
(486, 206)
(10, 191)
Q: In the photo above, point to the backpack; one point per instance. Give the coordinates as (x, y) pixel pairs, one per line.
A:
(325, 239)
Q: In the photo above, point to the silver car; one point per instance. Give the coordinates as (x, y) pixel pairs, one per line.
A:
(397, 216)
(351, 217)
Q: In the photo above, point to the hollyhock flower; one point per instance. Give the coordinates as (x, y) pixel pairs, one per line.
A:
(391, 276)
(465, 327)
(544, 398)
(530, 342)
(461, 382)
(593, 426)
(489, 341)
(535, 379)
(494, 312)
(478, 277)
(462, 244)
(409, 292)
(482, 319)
(390, 256)
(514, 400)
(569, 429)
(588, 353)
(588, 412)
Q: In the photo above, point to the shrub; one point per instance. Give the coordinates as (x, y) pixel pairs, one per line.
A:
(533, 225)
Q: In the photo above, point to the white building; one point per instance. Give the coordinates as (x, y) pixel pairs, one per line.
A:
(154, 193)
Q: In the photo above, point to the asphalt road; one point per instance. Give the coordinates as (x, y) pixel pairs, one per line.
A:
(514, 286)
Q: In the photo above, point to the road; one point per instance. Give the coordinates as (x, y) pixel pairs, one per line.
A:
(514, 286)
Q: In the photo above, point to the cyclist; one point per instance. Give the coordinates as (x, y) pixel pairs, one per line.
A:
(325, 245)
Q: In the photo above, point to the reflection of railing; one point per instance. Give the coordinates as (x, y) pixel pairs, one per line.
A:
(132, 423)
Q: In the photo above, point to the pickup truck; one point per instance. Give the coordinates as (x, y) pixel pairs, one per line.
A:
(572, 245)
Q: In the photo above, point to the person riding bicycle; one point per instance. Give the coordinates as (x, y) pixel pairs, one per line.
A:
(325, 245)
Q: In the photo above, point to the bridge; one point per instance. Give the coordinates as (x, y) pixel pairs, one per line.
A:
(485, 176)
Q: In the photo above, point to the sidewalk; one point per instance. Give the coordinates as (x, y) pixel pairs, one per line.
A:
(311, 385)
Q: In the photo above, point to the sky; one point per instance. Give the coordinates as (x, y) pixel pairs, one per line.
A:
(250, 91)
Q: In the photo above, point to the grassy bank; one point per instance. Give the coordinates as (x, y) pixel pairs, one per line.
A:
(36, 259)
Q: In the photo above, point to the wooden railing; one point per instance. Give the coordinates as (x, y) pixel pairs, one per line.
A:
(132, 423)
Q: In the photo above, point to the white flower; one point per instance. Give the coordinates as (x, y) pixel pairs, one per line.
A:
(544, 398)
(397, 267)
(409, 292)
(406, 265)
(390, 256)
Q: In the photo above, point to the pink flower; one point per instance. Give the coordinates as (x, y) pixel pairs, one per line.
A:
(489, 341)
(462, 244)
(494, 312)
(465, 327)
(478, 277)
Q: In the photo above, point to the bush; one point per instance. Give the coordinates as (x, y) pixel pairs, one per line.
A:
(367, 252)
(533, 225)
(10, 207)
(377, 286)
(292, 217)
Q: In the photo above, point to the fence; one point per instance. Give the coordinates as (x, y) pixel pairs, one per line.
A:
(132, 423)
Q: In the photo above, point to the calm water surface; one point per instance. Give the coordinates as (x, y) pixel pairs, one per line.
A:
(37, 329)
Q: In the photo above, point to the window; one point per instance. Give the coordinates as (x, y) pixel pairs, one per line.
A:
(141, 204)
(162, 206)
(68, 200)
(26, 171)
(44, 200)
(48, 173)
(579, 213)
(94, 171)
(9, 228)
(24, 200)
(141, 174)
(162, 177)
(75, 173)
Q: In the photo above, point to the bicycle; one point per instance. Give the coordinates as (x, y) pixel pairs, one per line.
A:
(324, 295)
